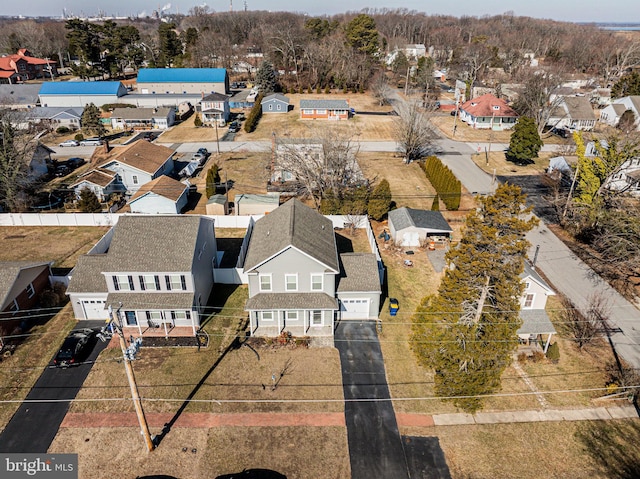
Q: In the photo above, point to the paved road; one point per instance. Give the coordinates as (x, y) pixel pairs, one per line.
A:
(34, 425)
(375, 446)
(566, 272)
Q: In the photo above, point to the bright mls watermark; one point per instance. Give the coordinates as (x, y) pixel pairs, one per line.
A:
(49, 466)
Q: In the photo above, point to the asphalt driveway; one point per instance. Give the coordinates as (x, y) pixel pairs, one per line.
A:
(375, 445)
(34, 425)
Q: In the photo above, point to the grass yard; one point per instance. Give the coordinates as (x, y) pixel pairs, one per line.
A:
(61, 244)
(498, 163)
(563, 450)
(239, 374)
(19, 372)
(296, 452)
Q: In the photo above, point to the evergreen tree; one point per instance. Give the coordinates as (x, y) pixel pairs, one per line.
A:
(525, 141)
(266, 78)
(400, 63)
(170, 45)
(435, 206)
(362, 35)
(628, 85)
(213, 177)
(89, 202)
(467, 333)
(197, 121)
(91, 121)
(380, 201)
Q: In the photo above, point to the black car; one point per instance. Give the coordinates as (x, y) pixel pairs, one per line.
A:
(74, 163)
(234, 127)
(62, 170)
(203, 151)
(75, 348)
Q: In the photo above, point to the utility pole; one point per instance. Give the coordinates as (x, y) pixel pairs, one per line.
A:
(128, 354)
(217, 139)
(406, 82)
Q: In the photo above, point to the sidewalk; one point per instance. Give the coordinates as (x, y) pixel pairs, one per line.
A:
(506, 417)
(209, 420)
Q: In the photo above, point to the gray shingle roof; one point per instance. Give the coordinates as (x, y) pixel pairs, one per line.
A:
(140, 113)
(359, 272)
(529, 271)
(154, 243)
(216, 97)
(324, 104)
(282, 301)
(151, 300)
(19, 94)
(87, 275)
(292, 224)
(9, 271)
(408, 217)
(579, 108)
(276, 96)
(535, 321)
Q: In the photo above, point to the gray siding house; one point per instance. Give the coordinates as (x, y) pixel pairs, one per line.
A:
(535, 322)
(157, 275)
(297, 281)
(275, 103)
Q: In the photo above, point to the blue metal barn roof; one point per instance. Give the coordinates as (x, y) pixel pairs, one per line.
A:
(82, 88)
(182, 75)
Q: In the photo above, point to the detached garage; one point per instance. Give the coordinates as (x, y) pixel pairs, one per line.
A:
(359, 286)
(409, 227)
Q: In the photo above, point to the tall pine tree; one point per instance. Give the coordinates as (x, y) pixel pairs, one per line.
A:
(467, 332)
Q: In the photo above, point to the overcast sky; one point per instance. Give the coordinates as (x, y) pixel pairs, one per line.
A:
(566, 10)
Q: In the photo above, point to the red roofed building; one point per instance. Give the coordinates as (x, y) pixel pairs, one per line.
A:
(488, 111)
(22, 66)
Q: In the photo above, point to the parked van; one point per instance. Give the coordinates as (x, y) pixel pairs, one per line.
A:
(91, 142)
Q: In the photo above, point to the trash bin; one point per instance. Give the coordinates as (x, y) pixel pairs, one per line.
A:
(394, 306)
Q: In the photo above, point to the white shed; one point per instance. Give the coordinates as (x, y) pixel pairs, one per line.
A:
(160, 196)
(409, 227)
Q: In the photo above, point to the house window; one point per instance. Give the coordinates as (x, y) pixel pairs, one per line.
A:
(14, 306)
(134, 178)
(316, 282)
(270, 107)
(321, 112)
(30, 290)
(130, 318)
(265, 282)
(179, 315)
(278, 107)
(307, 111)
(291, 315)
(149, 282)
(528, 301)
(527, 285)
(291, 282)
(123, 283)
(316, 318)
(176, 282)
(154, 318)
(266, 315)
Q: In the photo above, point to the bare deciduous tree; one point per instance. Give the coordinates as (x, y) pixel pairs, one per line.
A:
(413, 130)
(585, 326)
(536, 99)
(323, 161)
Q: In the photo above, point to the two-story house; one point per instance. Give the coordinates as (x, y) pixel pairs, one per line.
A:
(535, 322)
(156, 273)
(140, 163)
(214, 108)
(297, 281)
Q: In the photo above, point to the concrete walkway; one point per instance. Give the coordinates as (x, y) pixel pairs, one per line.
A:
(507, 417)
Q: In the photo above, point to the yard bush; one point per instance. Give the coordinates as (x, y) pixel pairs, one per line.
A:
(61, 130)
(447, 186)
(254, 116)
(553, 353)
(79, 137)
(197, 122)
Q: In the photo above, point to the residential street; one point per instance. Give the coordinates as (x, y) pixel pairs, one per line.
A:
(35, 424)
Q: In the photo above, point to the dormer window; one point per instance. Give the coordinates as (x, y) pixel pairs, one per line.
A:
(474, 104)
(496, 107)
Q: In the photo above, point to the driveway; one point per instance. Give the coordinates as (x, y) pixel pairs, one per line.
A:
(375, 446)
(35, 424)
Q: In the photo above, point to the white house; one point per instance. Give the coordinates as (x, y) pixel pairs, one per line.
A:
(411, 227)
(535, 322)
(142, 118)
(611, 114)
(140, 163)
(574, 113)
(101, 182)
(163, 195)
(214, 108)
(627, 178)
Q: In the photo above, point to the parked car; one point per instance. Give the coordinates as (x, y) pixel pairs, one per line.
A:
(91, 142)
(75, 348)
(74, 162)
(234, 85)
(200, 157)
(69, 143)
(149, 135)
(562, 132)
(203, 151)
(62, 170)
(234, 127)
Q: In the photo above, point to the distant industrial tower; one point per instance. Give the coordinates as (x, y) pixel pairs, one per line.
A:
(231, 5)
(245, 5)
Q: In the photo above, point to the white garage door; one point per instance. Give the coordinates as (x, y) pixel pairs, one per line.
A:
(94, 309)
(410, 239)
(354, 308)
